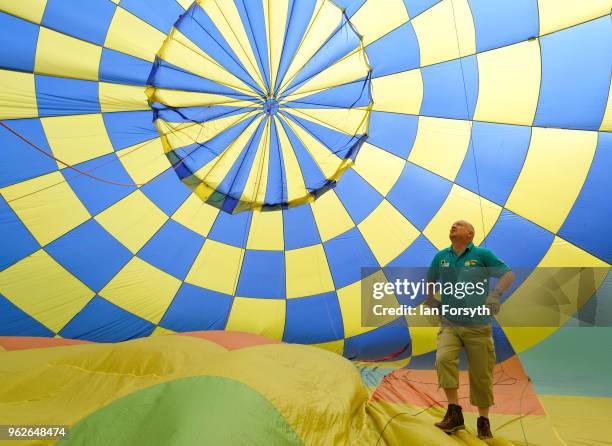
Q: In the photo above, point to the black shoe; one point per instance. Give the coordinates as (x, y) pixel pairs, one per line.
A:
(484, 428)
(453, 420)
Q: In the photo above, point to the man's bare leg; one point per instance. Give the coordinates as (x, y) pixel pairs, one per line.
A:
(453, 398)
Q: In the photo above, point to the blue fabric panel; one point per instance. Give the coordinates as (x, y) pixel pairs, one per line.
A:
(357, 196)
(415, 7)
(253, 21)
(393, 132)
(350, 6)
(21, 161)
(576, 66)
(172, 249)
(418, 194)
(231, 229)
(300, 228)
(387, 340)
(395, 52)
(58, 96)
(166, 75)
(87, 22)
(503, 22)
(94, 194)
(262, 274)
(102, 321)
(444, 93)
(90, 253)
(193, 23)
(122, 68)
(588, 223)
(346, 255)
(16, 241)
(159, 13)
(494, 160)
(17, 43)
(15, 322)
(235, 181)
(503, 348)
(128, 128)
(298, 18)
(313, 177)
(166, 191)
(341, 144)
(196, 156)
(340, 43)
(195, 308)
(313, 319)
(353, 94)
(276, 170)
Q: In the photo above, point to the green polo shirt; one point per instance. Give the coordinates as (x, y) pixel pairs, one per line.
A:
(474, 265)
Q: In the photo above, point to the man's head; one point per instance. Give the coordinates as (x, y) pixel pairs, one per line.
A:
(462, 232)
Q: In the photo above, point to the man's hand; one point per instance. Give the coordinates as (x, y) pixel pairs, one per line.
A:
(493, 301)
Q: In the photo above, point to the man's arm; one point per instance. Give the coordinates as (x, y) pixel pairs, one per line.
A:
(432, 277)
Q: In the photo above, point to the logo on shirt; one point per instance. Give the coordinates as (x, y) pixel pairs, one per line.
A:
(444, 263)
(469, 263)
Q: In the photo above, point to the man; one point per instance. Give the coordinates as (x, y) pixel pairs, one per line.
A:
(453, 269)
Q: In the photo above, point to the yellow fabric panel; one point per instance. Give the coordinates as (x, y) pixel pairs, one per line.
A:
(378, 167)
(330, 215)
(179, 98)
(325, 19)
(257, 181)
(327, 161)
(564, 254)
(461, 204)
(275, 15)
(182, 52)
(44, 289)
(180, 134)
(307, 272)
(352, 121)
(217, 267)
(17, 95)
(196, 215)
(216, 169)
(441, 45)
(142, 289)
(296, 188)
(60, 55)
(264, 317)
(266, 231)
(145, 160)
(132, 220)
(509, 84)
(331, 346)
(185, 3)
(117, 97)
(378, 17)
(387, 232)
(559, 14)
(131, 35)
(77, 138)
(398, 93)
(50, 211)
(160, 331)
(545, 192)
(226, 18)
(606, 122)
(424, 339)
(349, 299)
(441, 145)
(31, 10)
(348, 69)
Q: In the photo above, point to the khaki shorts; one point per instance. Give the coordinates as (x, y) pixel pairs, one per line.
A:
(480, 352)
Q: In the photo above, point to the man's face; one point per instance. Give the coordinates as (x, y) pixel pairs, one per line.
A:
(461, 231)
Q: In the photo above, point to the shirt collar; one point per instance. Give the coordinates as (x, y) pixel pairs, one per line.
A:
(467, 248)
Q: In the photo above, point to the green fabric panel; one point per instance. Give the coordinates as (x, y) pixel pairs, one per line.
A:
(203, 410)
(572, 361)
